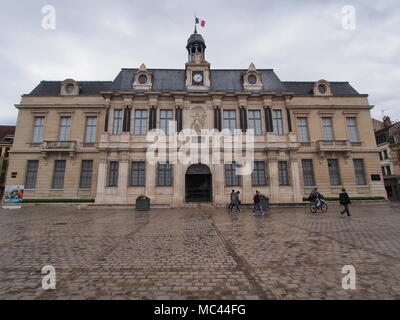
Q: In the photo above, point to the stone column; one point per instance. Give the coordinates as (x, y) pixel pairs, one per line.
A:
(294, 165)
(219, 185)
(247, 188)
(151, 180)
(179, 184)
(123, 173)
(273, 176)
(101, 181)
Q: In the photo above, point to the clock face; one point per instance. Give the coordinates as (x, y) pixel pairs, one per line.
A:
(197, 77)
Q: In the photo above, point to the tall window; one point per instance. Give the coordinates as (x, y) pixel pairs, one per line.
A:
(230, 120)
(231, 178)
(302, 125)
(334, 174)
(308, 172)
(91, 129)
(118, 118)
(385, 155)
(58, 174)
(283, 173)
(258, 175)
(113, 174)
(140, 121)
(86, 174)
(137, 174)
(255, 121)
(327, 127)
(31, 174)
(38, 130)
(164, 174)
(388, 171)
(65, 126)
(278, 122)
(359, 171)
(166, 116)
(352, 128)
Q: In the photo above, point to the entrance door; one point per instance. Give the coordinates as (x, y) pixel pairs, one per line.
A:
(198, 184)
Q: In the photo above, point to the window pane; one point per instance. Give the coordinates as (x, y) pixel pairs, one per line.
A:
(117, 128)
(278, 122)
(302, 124)
(359, 171)
(164, 174)
(38, 130)
(166, 116)
(230, 120)
(328, 130)
(113, 174)
(283, 173)
(86, 174)
(140, 121)
(254, 121)
(65, 124)
(352, 128)
(308, 172)
(231, 178)
(258, 176)
(334, 174)
(31, 174)
(58, 175)
(138, 174)
(90, 130)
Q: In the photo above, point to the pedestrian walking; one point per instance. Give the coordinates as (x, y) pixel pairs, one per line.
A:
(257, 204)
(235, 201)
(344, 200)
(231, 197)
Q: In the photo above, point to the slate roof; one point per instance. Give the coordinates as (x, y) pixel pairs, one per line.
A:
(170, 80)
(305, 88)
(6, 131)
(53, 88)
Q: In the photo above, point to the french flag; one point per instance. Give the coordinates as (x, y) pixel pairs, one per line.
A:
(201, 22)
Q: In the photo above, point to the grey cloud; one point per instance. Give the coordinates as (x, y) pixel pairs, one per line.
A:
(300, 40)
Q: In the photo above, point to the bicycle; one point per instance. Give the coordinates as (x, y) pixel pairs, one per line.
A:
(322, 208)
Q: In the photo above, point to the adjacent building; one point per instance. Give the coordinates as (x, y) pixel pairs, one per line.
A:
(88, 140)
(6, 141)
(388, 141)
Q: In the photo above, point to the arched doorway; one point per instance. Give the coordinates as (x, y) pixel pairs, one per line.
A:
(198, 183)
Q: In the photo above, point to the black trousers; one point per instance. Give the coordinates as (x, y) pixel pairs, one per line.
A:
(346, 209)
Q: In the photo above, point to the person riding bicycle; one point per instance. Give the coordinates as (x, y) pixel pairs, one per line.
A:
(315, 197)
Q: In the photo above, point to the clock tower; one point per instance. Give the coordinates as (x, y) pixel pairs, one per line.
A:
(197, 68)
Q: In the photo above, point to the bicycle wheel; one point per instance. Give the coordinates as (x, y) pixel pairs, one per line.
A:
(313, 208)
(324, 207)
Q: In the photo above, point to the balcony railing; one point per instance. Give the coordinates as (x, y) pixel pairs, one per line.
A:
(59, 146)
(333, 145)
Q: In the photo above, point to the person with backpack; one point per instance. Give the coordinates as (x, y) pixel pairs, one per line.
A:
(257, 204)
(344, 200)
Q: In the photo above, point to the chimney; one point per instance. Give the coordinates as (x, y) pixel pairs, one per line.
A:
(386, 122)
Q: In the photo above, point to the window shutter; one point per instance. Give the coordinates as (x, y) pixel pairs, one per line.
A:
(289, 119)
(178, 117)
(268, 119)
(217, 119)
(106, 120)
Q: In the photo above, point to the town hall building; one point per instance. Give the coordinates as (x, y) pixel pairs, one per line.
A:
(88, 139)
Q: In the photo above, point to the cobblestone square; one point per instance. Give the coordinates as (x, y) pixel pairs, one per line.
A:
(204, 253)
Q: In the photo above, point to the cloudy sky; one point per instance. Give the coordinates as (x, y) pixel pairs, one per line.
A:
(301, 40)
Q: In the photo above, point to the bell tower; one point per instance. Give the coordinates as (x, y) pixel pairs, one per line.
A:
(197, 68)
(196, 47)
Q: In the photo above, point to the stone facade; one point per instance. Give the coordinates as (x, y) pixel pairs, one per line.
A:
(291, 117)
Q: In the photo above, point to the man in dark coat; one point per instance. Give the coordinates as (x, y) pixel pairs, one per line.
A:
(344, 200)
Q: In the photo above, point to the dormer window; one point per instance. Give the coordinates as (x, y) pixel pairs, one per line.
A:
(252, 79)
(69, 87)
(322, 88)
(142, 79)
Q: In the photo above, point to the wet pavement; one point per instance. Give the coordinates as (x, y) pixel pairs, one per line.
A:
(202, 253)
